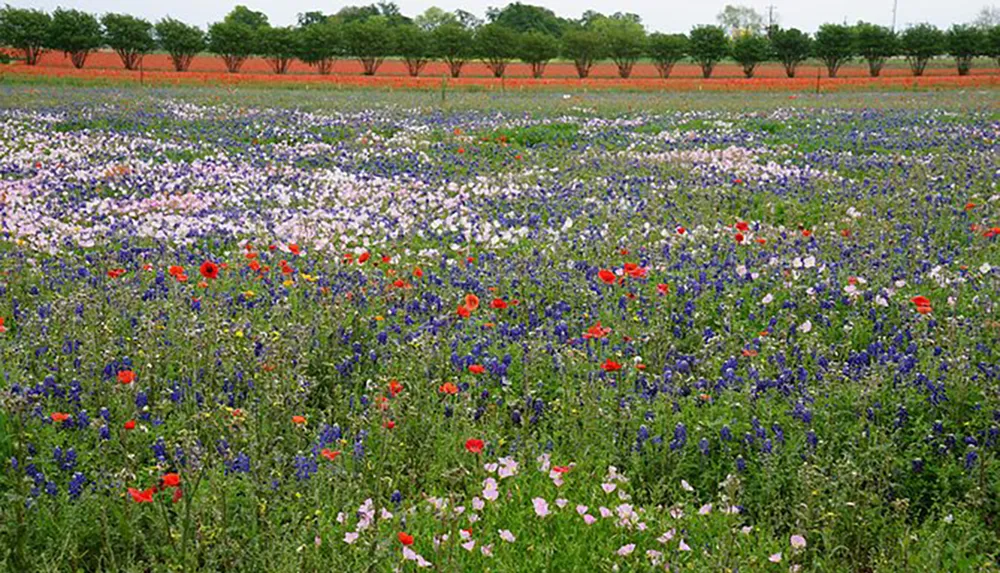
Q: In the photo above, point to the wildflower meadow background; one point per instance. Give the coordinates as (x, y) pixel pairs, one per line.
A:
(275, 330)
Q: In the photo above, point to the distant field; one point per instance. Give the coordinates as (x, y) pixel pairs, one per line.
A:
(105, 67)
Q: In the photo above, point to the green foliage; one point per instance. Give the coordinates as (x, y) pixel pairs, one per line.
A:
(182, 41)
(306, 19)
(414, 45)
(279, 46)
(537, 48)
(249, 18)
(965, 43)
(25, 30)
(835, 45)
(791, 47)
(919, 44)
(454, 44)
(525, 18)
(875, 44)
(129, 37)
(749, 51)
(320, 43)
(993, 43)
(584, 46)
(740, 20)
(75, 33)
(707, 46)
(433, 18)
(232, 41)
(624, 40)
(496, 45)
(666, 50)
(370, 41)
(555, 134)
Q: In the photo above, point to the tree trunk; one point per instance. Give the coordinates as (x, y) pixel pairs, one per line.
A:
(664, 69)
(79, 58)
(583, 67)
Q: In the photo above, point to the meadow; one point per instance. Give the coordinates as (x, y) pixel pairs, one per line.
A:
(289, 330)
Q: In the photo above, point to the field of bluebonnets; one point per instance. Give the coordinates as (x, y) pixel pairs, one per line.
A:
(346, 331)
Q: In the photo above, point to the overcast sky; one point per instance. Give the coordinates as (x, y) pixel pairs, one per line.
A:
(658, 15)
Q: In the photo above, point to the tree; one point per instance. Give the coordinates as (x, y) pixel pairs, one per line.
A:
(740, 20)
(583, 46)
(965, 43)
(231, 41)
(791, 48)
(351, 14)
(454, 44)
(370, 41)
(834, 46)
(414, 45)
(180, 40)
(875, 44)
(306, 19)
(706, 46)
(496, 46)
(129, 37)
(993, 43)
(537, 48)
(526, 18)
(919, 44)
(468, 20)
(624, 40)
(749, 50)
(251, 18)
(433, 18)
(666, 50)
(25, 30)
(279, 46)
(75, 33)
(987, 18)
(319, 44)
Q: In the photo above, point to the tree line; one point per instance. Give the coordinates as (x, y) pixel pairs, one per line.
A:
(518, 32)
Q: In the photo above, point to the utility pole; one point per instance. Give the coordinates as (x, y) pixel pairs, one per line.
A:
(895, 4)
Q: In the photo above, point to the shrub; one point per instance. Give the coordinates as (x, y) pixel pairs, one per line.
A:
(536, 49)
(584, 47)
(919, 44)
(496, 46)
(279, 46)
(414, 46)
(454, 44)
(749, 50)
(666, 50)
(965, 43)
(875, 44)
(25, 30)
(834, 46)
(791, 48)
(76, 34)
(319, 44)
(370, 41)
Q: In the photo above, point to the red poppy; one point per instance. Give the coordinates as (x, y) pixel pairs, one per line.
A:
(611, 366)
(386, 259)
(596, 331)
(115, 273)
(178, 494)
(395, 388)
(561, 469)
(294, 249)
(477, 369)
(209, 270)
(663, 288)
(461, 150)
(923, 304)
(171, 480)
(463, 311)
(59, 417)
(739, 237)
(970, 206)
(418, 272)
(845, 232)
(329, 454)
(749, 352)
(363, 258)
(760, 241)
(405, 538)
(635, 271)
(806, 233)
(471, 302)
(473, 445)
(606, 276)
(175, 271)
(126, 377)
(298, 420)
(2, 327)
(742, 226)
(498, 303)
(254, 266)
(448, 388)
(145, 496)
(389, 425)
(130, 425)
(681, 230)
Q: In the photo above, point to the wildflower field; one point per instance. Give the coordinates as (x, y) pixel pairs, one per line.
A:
(277, 330)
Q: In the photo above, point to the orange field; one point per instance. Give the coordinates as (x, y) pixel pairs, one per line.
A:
(206, 69)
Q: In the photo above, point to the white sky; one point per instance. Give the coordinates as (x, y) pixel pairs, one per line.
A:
(663, 15)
